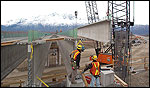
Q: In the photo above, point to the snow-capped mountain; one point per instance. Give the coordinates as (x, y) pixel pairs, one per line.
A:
(53, 19)
(50, 22)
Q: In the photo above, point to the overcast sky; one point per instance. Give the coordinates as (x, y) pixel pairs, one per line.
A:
(11, 10)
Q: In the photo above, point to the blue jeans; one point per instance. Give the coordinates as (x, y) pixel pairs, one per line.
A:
(93, 81)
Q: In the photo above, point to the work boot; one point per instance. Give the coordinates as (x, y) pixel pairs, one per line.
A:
(74, 82)
(78, 77)
(78, 67)
(70, 75)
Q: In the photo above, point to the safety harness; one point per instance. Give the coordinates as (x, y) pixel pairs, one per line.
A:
(73, 60)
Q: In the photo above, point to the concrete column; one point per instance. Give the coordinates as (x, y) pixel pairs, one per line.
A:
(59, 57)
(46, 64)
(48, 60)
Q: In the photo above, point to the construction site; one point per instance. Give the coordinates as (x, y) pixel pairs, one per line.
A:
(40, 59)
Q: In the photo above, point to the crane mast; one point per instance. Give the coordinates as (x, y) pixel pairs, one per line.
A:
(92, 12)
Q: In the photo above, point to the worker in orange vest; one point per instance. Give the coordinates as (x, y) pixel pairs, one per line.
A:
(75, 56)
(94, 70)
(75, 61)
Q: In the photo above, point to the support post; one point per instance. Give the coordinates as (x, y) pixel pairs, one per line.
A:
(145, 67)
(29, 67)
(59, 57)
(56, 56)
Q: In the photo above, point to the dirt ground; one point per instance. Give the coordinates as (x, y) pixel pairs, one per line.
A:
(139, 79)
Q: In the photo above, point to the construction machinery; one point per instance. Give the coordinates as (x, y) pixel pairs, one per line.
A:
(119, 15)
(138, 39)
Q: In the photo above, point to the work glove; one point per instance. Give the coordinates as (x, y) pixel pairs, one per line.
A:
(70, 55)
(99, 75)
(83, 49)
(72, 60)
(78, 67)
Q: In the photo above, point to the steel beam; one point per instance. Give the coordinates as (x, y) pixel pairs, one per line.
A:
(11, 57)
(99, 31)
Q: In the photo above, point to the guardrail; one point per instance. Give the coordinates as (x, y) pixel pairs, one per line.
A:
(144, 62)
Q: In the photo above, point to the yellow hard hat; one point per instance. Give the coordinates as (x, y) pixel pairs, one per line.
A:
(79, 47)
(94, 57)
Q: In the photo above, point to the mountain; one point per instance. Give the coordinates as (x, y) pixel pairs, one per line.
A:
(140, 29)
(55, 21)
(40, 27)
(50, 22)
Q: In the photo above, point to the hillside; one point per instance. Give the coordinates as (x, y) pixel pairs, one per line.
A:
(140, 29)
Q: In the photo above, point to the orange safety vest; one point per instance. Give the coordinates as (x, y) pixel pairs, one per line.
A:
(95, 70)
(75, 53)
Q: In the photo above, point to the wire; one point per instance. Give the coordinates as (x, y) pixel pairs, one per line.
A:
(42, 81)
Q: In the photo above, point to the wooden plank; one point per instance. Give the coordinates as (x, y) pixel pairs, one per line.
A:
(139, 63)
(121, 81)
(106, 65)
(6, 44)
(139, 58)
(10, 83)
(43, 77)
(59, 80)
(87, 41)
(9, 42)
(54, 39)
(53, 75)
(84, 79)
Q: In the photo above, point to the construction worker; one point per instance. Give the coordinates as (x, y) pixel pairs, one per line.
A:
(75, 61)
(94, 70)
(75, 56)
